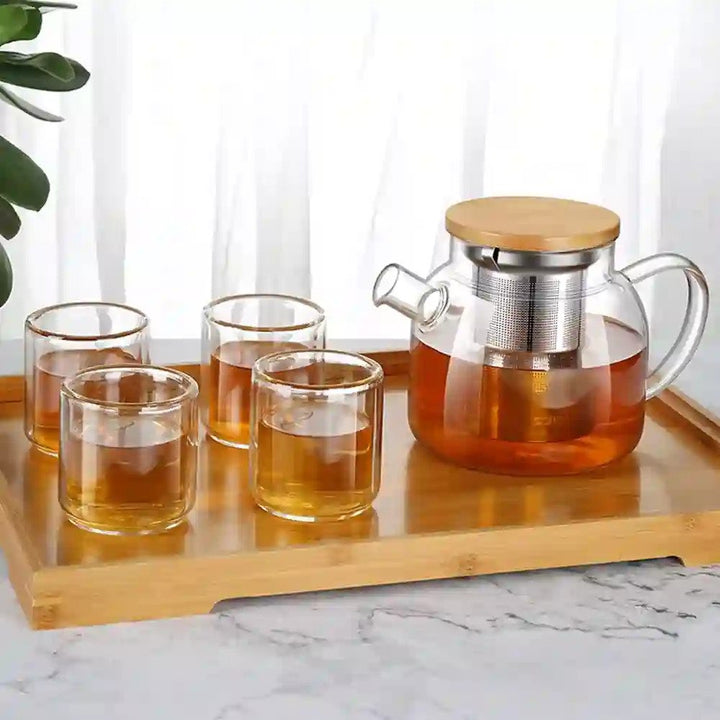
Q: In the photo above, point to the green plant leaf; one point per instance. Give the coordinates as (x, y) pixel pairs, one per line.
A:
(40, 4)
(13, 20)
(12, 99)
(51, 63)
(6, 276)
(9, 220)
(42, 72)
(10, 28)
(32, 26)
(22, 182)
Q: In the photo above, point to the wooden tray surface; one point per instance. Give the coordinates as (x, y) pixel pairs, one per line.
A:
(431, 520)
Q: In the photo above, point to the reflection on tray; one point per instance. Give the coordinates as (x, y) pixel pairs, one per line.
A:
(41, 508)
(228, 519)
(80, 547)
(269, 531)
(67, 544)
(223, 478)
(439, 497)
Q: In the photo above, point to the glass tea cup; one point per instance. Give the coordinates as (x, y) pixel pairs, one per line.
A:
(128, 448)
(316, 434)
(237, 330)
(63, 339)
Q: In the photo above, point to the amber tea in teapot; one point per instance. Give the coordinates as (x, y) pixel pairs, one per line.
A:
(529, 350)
(588, 415)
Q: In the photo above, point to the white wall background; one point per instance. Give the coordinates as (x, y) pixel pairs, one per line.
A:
(299, 146)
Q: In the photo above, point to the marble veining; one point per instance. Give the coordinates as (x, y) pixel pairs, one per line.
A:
(630, 640)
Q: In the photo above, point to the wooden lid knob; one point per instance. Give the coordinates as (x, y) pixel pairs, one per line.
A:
(532, 224)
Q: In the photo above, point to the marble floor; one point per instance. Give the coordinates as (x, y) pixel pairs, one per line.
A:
(630, 641)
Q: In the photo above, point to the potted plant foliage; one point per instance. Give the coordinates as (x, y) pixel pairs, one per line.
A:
(22, 182)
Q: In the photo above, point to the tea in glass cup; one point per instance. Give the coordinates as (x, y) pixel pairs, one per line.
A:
(128, 450)
(237, 331)
(62, 340)
(316, 434)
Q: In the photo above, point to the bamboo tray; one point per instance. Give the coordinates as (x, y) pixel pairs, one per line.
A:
(431, 520)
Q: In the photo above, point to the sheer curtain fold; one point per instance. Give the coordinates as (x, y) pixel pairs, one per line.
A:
(110, 112)
(299, 146)
(262, 224)
(690, 177)
(643, 71)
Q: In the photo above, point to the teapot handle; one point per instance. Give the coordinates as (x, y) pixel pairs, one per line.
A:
(695, 315)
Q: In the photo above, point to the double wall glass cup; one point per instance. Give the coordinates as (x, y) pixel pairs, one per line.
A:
(236, 332)
(316, 434)
(128, 448)
(62, 340)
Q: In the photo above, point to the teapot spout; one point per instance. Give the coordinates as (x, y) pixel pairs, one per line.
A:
(410, 295)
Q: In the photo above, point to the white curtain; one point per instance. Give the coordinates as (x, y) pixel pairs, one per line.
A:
(238, 146)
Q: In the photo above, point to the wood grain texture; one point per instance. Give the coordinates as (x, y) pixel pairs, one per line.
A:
(431, 520)
(12, 389)
(535, 224)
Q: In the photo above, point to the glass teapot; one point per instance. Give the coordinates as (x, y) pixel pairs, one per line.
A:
(529, 349)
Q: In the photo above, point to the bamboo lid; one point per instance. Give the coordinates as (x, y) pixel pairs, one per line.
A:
(532, 224)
